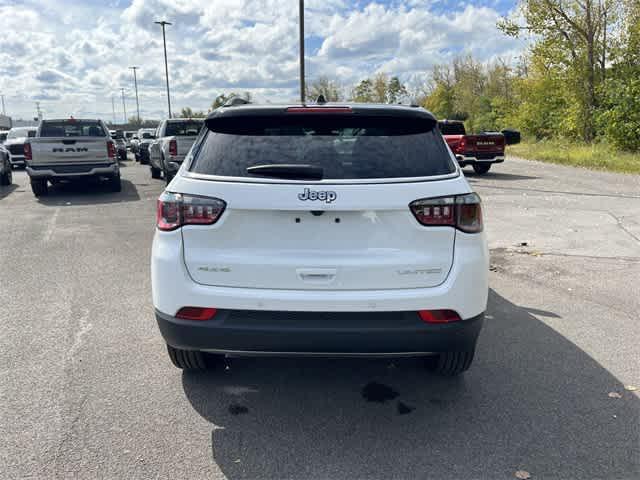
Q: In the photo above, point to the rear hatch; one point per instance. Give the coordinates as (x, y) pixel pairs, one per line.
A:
(320, 201)
(70, 141)
(484, 143)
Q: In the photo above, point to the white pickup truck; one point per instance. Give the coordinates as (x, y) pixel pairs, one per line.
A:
(174, 139)
(71, 150)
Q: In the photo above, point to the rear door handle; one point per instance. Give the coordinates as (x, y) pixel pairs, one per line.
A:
(318, 276)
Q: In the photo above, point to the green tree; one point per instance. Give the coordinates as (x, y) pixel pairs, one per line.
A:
(187, 112)
(363, 92)
(223, 98)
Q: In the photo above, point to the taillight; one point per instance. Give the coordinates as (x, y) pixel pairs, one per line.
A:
(111, 149)
(463, 212)
(319, 110)
(461, 146)
(439, 316)
(196, 313)
(173, 148)
(175, 210)
(28, 155)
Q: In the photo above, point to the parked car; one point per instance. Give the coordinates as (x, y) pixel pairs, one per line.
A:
(6, 170)
(71, 150)
(320, 230)
(173, 141)
(480, 151)
(15, 144)
(145, 137)
(121, 145)
(128, 136)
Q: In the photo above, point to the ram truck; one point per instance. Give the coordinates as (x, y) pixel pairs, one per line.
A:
(481, 150)
(174, 139)
(71, 150)
(140, 145)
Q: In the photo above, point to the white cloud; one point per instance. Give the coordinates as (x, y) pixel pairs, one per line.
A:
(73, 55)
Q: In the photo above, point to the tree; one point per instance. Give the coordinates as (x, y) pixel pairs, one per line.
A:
(329, 89)
(363, 92)
(396, 91)
(572, 38)
(221, 99)
(187, 112)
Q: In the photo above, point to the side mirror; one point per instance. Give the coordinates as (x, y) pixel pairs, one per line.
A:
(511, 137)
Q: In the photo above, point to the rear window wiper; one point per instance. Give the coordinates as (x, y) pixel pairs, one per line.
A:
(286, 171)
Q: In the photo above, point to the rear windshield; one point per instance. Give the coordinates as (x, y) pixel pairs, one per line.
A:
(72, 128)
(190, 128)
(150, 134)
(345, 148)
(451, 128)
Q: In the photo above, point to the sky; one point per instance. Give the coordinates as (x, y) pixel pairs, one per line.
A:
(73, 56)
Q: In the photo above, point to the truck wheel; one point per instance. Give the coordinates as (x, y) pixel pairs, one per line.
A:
(39, 187)
(155, 172)
(481, 168)
(115, 185)
(6, 178)
(193, 359)
(450, 364)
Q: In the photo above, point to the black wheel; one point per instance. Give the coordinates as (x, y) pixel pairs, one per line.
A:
(481, 168)
(193, 359)
(7, 177)
(450, 364)
(39, 187)
(167, 177)
(156, 172)
(115, 185)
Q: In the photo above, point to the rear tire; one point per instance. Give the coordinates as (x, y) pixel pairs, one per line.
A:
(481, 168)
(39, 187)
(115, 185)
(156, 172)
(193, 360)
(7, 177)
(450, 364)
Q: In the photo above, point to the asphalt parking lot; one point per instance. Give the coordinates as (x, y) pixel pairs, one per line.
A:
(87, 390)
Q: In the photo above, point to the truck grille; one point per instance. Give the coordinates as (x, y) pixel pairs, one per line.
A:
(16, 149)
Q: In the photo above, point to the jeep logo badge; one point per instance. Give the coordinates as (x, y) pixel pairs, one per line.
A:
(312, 195)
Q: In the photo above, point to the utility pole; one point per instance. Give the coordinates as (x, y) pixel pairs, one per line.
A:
(135, 83)
(302, 82)
(162, 23)
(113, 108)
(3, 110)
(124, 107)
(39, 111)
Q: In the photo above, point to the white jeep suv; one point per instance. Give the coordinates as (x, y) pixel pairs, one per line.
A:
(320, 230)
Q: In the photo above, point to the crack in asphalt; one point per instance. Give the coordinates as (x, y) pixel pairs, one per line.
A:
(558, 192)
(622, 227)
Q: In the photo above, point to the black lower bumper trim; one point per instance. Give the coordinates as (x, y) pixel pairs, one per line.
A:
(363, 333)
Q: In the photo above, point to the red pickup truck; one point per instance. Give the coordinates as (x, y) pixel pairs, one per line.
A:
(480, 150)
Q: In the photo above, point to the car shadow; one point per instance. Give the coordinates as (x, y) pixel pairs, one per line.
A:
(491, 175)
(5, 190)
(88, 193)
(532, 401)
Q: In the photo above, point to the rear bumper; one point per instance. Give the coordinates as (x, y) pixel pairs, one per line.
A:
(470, 159)
(17, 160)
(71, 170)
(319, 333)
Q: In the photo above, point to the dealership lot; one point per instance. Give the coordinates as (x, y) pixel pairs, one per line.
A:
(87, 390)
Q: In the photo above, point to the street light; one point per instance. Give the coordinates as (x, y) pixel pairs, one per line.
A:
(124, 108)
(302, 85)
(135, 83)
(162, 23)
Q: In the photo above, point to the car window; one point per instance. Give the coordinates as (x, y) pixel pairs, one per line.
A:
(451, 128)
(345, 149)
(190, 128)
(72, 128)
(21, 132)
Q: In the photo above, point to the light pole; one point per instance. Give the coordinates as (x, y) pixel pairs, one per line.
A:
(135, 83)
(162, 23)
(302, 83)
(124, 107)
(113, 108)
(3, 110)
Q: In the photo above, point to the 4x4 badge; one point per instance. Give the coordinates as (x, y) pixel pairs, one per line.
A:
(323, 196)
